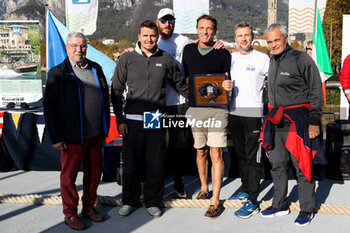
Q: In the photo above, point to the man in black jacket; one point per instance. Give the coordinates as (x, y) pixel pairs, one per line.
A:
(143, 74)
(76, 108)
(295, 104)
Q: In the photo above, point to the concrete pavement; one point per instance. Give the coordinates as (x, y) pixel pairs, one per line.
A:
(49, 218)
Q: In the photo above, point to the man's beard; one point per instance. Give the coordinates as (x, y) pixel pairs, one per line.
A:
(166, 35)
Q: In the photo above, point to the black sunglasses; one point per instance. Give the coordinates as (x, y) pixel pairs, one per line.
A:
(163, 21)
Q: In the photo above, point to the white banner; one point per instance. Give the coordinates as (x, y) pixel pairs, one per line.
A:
(344, 104)
(301, 15)
(81, 15)
(187, 12)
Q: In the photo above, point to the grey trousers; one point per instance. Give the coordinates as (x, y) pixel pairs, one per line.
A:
(279, 158)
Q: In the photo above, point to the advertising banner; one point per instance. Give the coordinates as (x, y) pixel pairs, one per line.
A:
(302, 13)
(81, 15)
(187, 12)
(20, 71)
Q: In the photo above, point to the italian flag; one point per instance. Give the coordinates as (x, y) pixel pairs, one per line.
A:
(320, 53)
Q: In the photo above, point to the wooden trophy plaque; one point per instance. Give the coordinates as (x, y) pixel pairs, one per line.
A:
(209, 90)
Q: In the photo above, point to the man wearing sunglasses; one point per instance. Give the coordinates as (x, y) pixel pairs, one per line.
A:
(174, 44)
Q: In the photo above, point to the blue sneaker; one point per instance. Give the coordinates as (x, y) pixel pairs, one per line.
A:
(239, 196)
(304, 218)
(271, 212)
(247, 210)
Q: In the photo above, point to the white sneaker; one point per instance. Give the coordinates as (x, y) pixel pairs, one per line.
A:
(154, 212)
(126, 210)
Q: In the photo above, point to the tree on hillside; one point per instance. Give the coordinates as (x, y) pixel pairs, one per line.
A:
(333, 27)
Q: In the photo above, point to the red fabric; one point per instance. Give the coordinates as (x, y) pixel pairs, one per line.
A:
(294, 144)
(113, 130)
(344, 78)
(90, 155)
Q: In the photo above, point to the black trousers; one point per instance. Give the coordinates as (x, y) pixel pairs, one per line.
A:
(144, 156)
(177, 142)
(245, 134)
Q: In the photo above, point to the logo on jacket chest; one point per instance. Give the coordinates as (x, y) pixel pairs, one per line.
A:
(285, 73)
(159, 64)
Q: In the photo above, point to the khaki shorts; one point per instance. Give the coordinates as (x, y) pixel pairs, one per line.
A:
(208, 126)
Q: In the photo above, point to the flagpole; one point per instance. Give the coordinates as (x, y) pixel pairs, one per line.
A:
(315, 14)
(46, 39)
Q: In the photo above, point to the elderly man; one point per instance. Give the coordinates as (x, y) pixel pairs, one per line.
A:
(76, 108)
(144, 73)
(202, 58)
(295, 108)
(248, 71)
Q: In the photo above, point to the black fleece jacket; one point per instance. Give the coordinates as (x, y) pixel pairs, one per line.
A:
(144, 79)
(295, 79)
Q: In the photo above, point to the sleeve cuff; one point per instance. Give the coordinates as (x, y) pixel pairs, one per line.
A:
(347, 91)
(314, 121)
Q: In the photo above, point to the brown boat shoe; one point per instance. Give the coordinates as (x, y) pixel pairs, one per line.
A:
(202, 195)
(75, 222)
(213, 211)
(93, 215)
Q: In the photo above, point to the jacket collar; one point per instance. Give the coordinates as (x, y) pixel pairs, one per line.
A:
(139, 51)
(69, 68)
(283, 54)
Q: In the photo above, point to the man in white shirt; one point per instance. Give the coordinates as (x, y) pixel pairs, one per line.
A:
(249, 69)
(173, 44)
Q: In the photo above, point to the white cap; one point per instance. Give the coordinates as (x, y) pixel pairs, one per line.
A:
(165, 11)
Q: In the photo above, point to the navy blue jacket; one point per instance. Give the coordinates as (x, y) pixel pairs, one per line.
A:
(63, 106)
(305, 150)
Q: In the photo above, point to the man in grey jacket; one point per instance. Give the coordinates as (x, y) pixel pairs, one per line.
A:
(295, 104)
(143, 74)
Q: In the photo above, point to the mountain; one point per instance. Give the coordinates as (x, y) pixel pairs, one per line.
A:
(120, 19)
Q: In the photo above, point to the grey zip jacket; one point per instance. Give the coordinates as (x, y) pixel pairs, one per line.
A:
(295, 79)
(143, 78)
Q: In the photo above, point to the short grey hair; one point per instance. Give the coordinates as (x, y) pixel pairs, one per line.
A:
(243, 24)
(76, 35)
(279, 27)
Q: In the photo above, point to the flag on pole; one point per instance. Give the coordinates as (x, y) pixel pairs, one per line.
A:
(81, 15)
(319, 50)
(56, 52)
(55, 41)
(187, 12)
